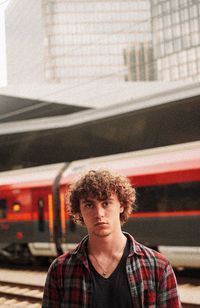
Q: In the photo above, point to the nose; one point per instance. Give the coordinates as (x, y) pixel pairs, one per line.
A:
(99, 211)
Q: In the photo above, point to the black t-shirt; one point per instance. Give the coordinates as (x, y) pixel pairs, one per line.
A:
(113, 291)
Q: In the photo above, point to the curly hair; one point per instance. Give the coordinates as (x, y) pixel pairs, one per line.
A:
(100, 184)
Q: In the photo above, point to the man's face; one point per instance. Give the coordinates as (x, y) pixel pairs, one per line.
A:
(101, 217)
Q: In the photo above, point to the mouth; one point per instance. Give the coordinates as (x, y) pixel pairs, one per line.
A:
(100, 224)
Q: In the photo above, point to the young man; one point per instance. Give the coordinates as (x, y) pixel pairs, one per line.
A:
(108, 268)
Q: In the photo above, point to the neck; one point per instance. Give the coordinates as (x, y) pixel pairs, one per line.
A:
(106, 245)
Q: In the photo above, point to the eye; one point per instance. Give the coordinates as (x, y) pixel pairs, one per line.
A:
(106, 203)
(89, 205)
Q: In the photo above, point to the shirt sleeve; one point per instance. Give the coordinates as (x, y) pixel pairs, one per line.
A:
(52, 292)
(168, 296)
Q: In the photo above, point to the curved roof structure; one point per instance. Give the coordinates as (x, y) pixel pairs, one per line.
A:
(160, 119)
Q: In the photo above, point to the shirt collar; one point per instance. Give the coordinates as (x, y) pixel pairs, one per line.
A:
(135, 247)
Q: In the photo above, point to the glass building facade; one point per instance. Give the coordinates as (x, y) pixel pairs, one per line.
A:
(176, 39)
(86, 39)
(107, 40)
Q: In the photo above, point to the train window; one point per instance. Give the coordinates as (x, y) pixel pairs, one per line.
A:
(169, 198)
(41, 222)
(3, 208)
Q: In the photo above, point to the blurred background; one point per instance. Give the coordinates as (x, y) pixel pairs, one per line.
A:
(49, 49)
(62, 57)
(81, 79)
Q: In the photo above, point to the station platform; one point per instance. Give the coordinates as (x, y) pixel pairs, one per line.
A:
(25, 276)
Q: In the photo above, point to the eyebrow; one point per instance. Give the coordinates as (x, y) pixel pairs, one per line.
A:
(93, 200)
(86, 200)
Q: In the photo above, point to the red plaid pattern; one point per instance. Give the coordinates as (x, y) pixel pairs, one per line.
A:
(151, 279)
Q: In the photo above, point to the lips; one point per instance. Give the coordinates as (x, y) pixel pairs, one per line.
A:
(100, 224)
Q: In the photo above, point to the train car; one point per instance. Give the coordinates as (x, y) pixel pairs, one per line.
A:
(26, 212)
(33, 217)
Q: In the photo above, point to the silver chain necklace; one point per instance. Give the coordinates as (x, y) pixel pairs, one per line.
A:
(104, 272)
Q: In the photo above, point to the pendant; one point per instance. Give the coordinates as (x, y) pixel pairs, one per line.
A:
(104, 274)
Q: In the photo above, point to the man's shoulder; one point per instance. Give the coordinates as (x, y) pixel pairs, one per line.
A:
(151, 255)
(147, 254)
(71, 258)
(67, 259)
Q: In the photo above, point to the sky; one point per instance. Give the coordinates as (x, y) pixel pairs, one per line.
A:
(3, 4)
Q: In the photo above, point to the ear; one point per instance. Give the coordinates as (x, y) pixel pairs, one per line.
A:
(78, 216)
(121, 208)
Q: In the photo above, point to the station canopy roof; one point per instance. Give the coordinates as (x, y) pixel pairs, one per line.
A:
(46, 132)
(13, 108)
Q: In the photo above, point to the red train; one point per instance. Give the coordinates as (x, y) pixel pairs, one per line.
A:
(34, 222)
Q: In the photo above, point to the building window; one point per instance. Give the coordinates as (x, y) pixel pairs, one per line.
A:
(173, 59)
(168, 47)
(184, 14)
(183, 57)
(162, 50)
(177, 31)
(175, 73)
(197, 49)
(191, 55)
(193, 11)
(167, 21)
(185, 28)
(198, 67)
(194, 25)
(195, 40)
(183, 71)
(177, 44)
(168, 34)
(192, 68)
(175, 17)
(186, 41)
(166, 7)
(175, 4)
(166, 62)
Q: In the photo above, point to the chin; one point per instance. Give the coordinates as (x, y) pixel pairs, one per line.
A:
(102, 234)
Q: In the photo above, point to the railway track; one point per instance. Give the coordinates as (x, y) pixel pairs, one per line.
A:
(21, 287)
(30, 296)
(189, 287)
(24, 288)
(14, 294)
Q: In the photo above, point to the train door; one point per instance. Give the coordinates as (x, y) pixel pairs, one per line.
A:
(71, 233)
(43, 235)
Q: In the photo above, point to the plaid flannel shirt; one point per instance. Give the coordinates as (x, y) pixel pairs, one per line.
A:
(151, 279)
